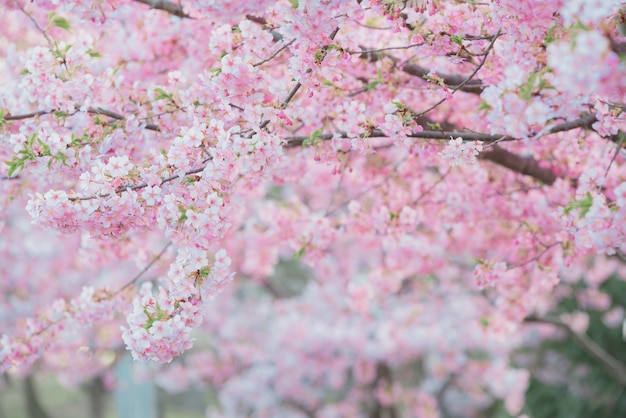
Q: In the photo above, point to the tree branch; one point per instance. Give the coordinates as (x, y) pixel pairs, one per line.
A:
(527, 166)
(610, 363)
(166, 6)
(92, 110)
(474, 86)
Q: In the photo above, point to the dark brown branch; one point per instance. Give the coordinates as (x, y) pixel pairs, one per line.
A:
(474, 86)
(524, 165)
(527, 166)
(584, 122)
(611, 365)
(166, 6)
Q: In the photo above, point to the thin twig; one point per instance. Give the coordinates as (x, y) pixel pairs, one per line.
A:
(39, 28)
(622, 136)
(139, 186)
(391, 48)
(469, 78)
(295, 88)
(144, 270)
(275, 54)
(583, 122)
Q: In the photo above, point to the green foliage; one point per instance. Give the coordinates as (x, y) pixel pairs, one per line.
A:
(161, 94)
(549, 38)
(583, 204)
(61, 22)
(484, 106)
(457, 39)
(313, 139)
(585, 387)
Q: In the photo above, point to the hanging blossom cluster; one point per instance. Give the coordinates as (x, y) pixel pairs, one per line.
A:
(160, 326)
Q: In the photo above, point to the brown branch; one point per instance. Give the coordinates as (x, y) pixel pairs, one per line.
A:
(474, 86)
(92, 110)
(584, 122)
(10, 117)
(297, 86)
(527, 166)
(611, 365)
(117, 116)
(468, 78)
(166, 6)
(524, 165)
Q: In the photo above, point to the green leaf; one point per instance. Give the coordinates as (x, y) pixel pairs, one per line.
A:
(31, 141)
(583, 204)
(399, 106)
(94, 54)
(183, 214)
(371, 86)
(457, 39)
(313, 139)
(294, 3)
(300, 253)
(149, 320)
(61, 22)
(526, 90)
(484, 106)
(549, 38)
(14, 165)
